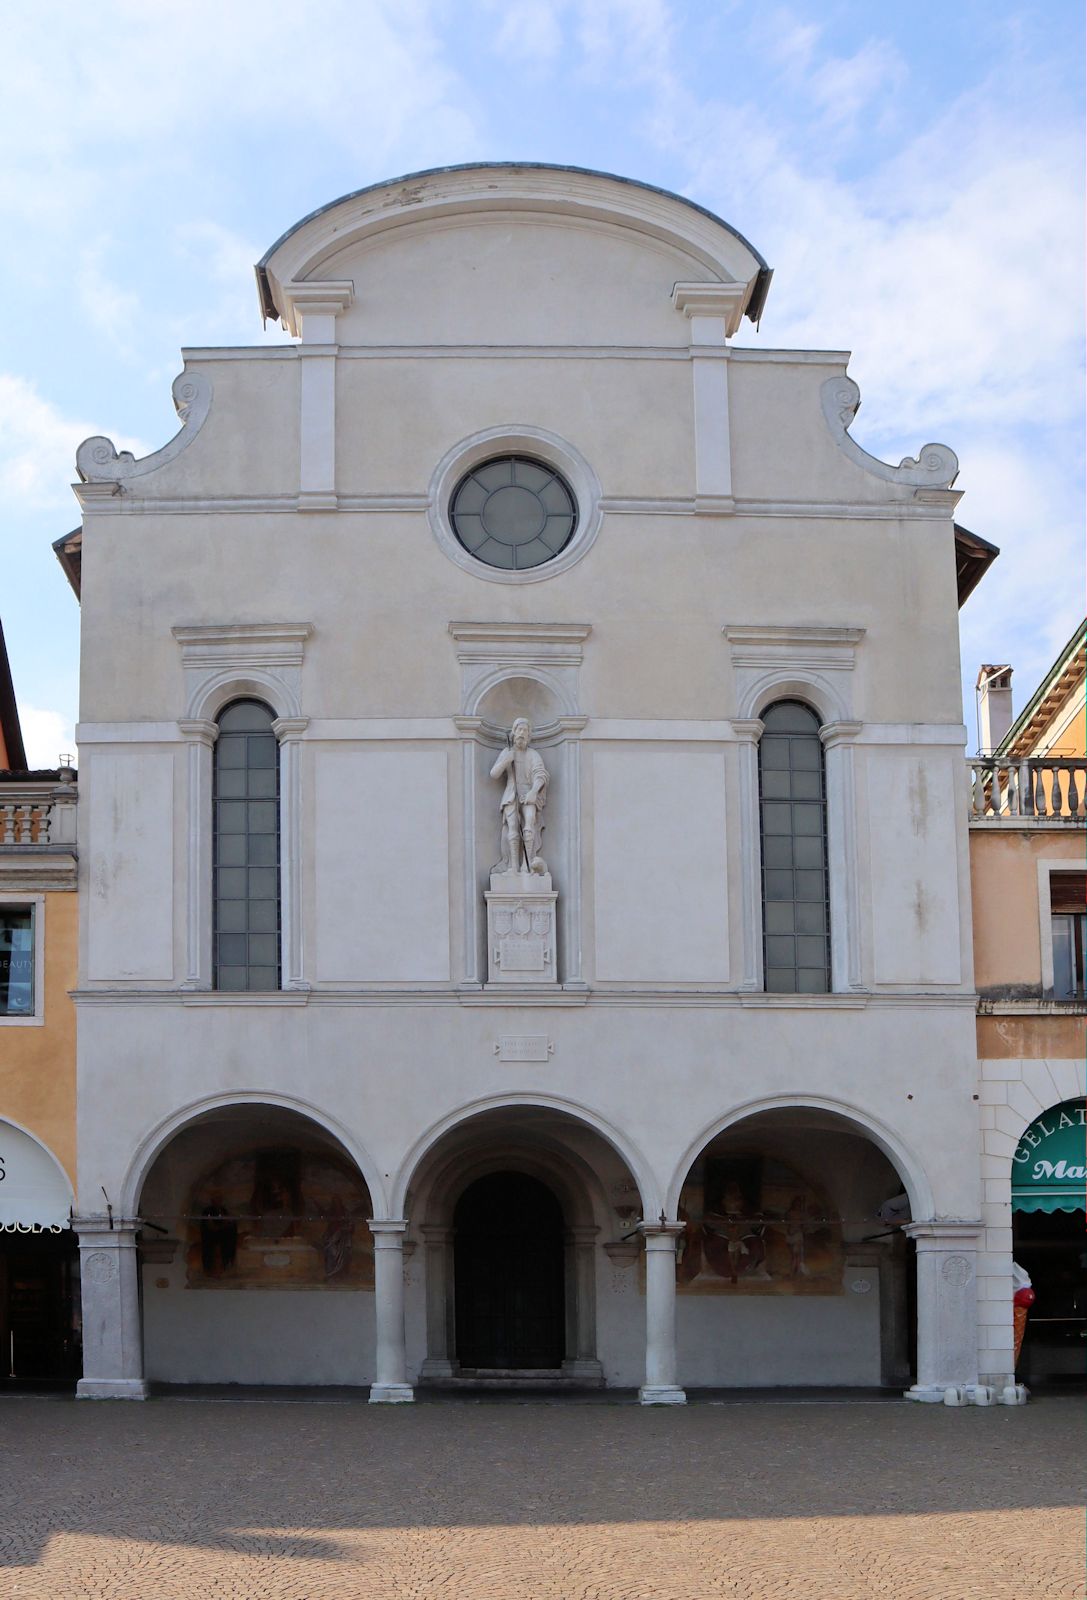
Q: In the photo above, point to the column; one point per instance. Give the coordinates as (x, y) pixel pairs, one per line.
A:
(947, 1312)
(660, 1388)
(438, 1244)
(845, 931)
(581, 1359)
(391, 1386)
(112, 1334)
(200, 737)
(748, 731)
(289, 731)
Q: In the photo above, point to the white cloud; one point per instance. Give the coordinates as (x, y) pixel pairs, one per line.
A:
(528, 31)
(47, 735)
(38, 445)
(125, 78)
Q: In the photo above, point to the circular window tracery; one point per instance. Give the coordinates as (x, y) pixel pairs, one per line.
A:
(513, 512)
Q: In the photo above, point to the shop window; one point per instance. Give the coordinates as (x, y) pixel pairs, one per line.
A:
(793, 831)
(246, 849)
(1068, 907)
(16, 961)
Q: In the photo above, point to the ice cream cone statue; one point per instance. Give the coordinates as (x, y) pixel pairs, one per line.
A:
(1022, 1300)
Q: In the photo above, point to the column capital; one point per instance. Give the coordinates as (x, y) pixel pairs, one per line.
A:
(583, 1233)
(835, 733)
(936, 1235)
(311, 308)
(388, 1232)
(748, 730)
(720, 305)
(436, 1232)
(289, 729)
(98, 1233)
(661, 1235)
(198, 731)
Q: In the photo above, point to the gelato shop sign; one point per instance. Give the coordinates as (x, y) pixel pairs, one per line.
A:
(1049, 1167)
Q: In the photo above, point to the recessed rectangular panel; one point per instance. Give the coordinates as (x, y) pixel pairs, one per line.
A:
(130, 861)
(660, 870)
(381, 831)
(915, 894)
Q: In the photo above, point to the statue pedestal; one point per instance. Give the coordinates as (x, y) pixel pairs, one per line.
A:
(521, 929)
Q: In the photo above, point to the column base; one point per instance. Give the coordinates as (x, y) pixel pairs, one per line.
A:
(438, 1367)
(391, 1394)
(661, 1394)
(585, 1369)
(929, 1394)
(111, 1389)
(951, 1394)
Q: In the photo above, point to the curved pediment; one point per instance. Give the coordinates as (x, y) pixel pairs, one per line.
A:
(463, 255)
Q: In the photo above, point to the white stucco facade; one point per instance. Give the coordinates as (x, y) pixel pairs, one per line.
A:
(734, 548)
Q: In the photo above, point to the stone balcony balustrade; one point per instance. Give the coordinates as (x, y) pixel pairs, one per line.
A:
(1028, 791)
(38, 829)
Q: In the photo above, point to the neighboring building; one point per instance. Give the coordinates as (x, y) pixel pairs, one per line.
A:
(687, 963)
(39, 1281)
(1028, 852)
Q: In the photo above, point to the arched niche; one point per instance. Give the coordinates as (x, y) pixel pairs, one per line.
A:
(538, 695)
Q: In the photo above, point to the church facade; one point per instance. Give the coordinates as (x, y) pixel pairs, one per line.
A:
(525, 916)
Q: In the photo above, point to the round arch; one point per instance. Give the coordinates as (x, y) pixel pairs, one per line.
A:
(511, 673)
(257, 683)
(572, 1179)
(155, 1141)
(635, 1161)
(904, 1161)
(812, 688)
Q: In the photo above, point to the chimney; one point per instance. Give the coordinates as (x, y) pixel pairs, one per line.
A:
(994, 698)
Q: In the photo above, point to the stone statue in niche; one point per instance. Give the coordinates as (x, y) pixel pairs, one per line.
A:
(521, 899)
(523, 799)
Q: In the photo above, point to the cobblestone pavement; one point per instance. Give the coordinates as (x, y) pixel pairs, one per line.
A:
(308, 1500)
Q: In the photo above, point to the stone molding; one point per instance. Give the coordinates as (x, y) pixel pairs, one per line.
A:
(431, 199)
(723, 302)
(771, 661)
(223, 660)
(310, 309)
(511, 439)
(99, 461)
(936, 467)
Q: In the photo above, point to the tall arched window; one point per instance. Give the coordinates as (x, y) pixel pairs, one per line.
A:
(246, 849)
(793, 828)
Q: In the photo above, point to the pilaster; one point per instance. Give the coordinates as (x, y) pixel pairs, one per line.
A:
(748, 731)
(200, 736)
(845, 914)
(947, 1313)
(112, 1334)
(289, 731)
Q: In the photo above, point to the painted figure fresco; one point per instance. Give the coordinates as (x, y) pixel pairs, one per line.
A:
(279, 1219)
(755, 1226)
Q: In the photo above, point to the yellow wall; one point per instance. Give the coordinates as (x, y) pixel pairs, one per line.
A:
(1033, 1038)
(1004, 873)
(37, 1064)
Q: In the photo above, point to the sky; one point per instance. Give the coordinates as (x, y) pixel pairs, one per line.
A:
(912, 171)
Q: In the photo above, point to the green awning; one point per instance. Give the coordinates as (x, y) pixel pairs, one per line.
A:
(1049, 1168)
